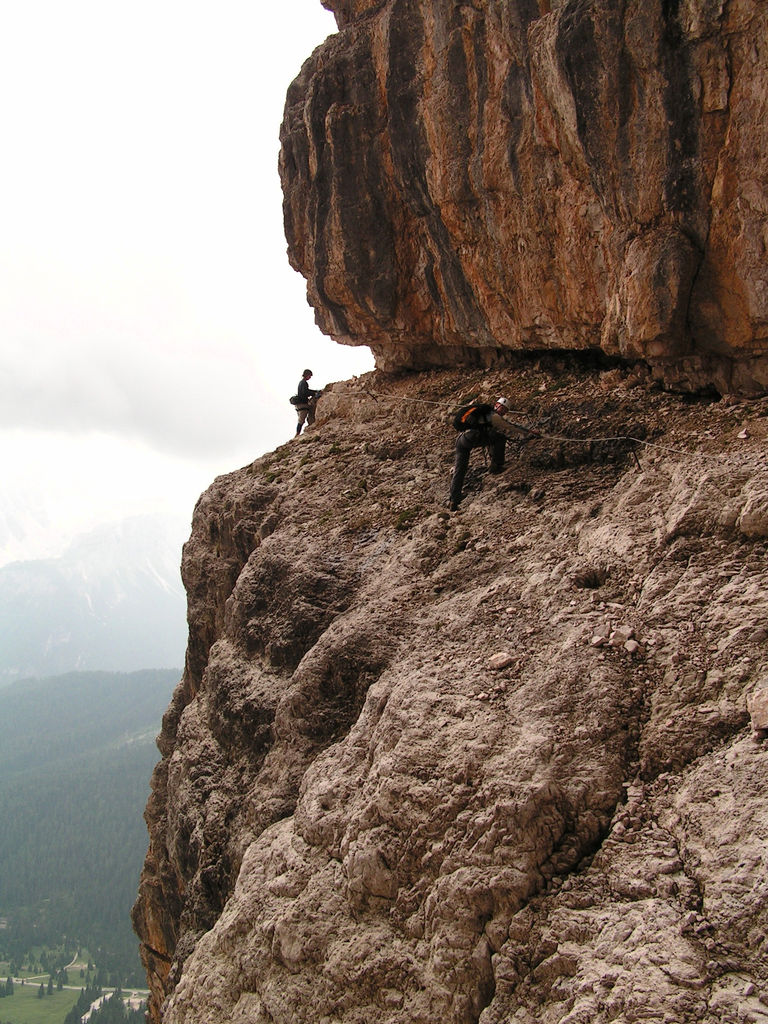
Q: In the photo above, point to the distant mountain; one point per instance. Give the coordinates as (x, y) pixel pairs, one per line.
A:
(76, 754)
(113, 601)
(25, 526)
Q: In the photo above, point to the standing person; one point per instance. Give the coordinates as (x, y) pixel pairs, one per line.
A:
(481, 426)
(307, 399)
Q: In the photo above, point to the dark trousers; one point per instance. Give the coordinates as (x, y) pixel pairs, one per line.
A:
(465, 442)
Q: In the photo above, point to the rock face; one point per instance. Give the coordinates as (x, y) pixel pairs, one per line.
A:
(507, 764)
(463, 180)
(500, 765)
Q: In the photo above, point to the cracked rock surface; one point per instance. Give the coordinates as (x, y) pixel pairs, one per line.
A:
(465, 180)
(499, 765)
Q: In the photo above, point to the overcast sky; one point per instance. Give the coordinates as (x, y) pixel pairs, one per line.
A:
(151, 329)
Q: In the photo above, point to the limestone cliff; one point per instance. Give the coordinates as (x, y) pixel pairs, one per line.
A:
(463, 180)
(505, 764)
(492, 766)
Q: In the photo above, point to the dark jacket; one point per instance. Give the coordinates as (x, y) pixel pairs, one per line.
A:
(305, 392)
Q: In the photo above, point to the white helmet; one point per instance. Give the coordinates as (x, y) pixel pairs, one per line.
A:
(502, 401)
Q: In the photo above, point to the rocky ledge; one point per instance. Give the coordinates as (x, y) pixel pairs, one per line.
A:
(505, 764)
(463, 180)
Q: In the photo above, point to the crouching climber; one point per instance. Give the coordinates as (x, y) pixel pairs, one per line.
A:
(481, 426)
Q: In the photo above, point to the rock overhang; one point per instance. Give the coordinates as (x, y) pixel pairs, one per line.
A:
(465, 181)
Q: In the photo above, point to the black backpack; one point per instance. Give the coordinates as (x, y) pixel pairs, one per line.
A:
(472, 417)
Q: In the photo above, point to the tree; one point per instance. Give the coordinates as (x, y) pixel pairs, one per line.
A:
(41, 991)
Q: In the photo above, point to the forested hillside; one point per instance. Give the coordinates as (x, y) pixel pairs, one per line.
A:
(76, 754)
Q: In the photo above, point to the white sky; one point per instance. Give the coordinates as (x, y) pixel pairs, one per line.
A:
(151, 329)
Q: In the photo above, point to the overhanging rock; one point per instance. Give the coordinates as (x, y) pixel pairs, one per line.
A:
(462, 181)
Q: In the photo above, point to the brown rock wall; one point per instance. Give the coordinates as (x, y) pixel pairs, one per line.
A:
(466, 180)
(483, 767)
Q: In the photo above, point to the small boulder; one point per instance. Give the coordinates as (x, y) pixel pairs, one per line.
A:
(757, 705)
(500, 661)
(621, 635)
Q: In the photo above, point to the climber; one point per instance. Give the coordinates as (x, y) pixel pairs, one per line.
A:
(305, 401)
(481, 426)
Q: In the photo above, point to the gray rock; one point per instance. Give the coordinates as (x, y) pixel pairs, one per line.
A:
(356, 819)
